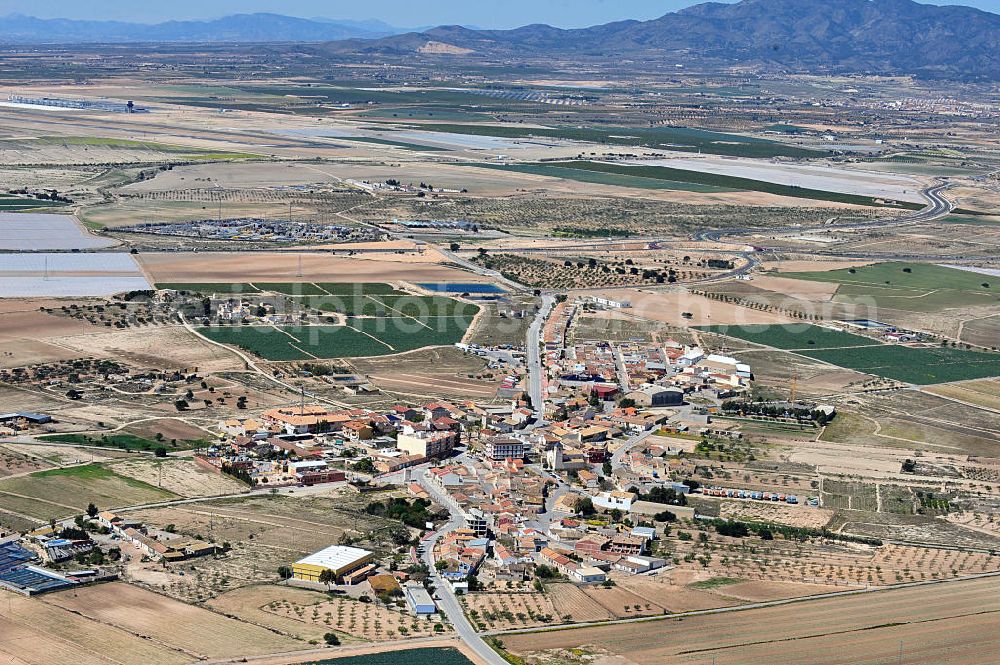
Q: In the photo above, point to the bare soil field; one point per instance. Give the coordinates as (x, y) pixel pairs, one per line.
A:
(192, 630)
(621, 603)
(800, 516)
(983, 332)
(668, 306)
(13, 461)
(984, 393)
(811, 265)
(26, 335)
(34, 631)
(284, 267)
(673, 595)
(170, 428)
(166, 347)
(183, 477)
(797, 288)
(762, 590)
(572, 604)
(947, 623)
(443, 372)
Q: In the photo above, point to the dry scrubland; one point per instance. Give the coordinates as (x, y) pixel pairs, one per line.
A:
(264, 532)
(534, 212)
(949, 623)
(183, 477)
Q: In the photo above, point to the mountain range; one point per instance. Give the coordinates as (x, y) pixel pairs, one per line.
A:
(822, 36)
(238, 28)
(873, 36)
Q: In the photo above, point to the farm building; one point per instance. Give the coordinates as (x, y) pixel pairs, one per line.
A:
(419, 600)
(650, 396)
(338, 559)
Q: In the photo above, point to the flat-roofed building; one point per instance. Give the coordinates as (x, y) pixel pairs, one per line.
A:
(502, 447)
(338, 559)
(419, 600)
(427, 444)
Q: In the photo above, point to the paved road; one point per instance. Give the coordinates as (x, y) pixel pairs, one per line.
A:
(536, 371)
(448, 601)
(619, 454)
(937, 206)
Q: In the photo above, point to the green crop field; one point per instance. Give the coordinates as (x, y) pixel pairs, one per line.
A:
(15, 203)
(359, 338)
(792, 336)
(292, 288)
(724, 182)
(921, 366)
(349, 288)
(61, 492)
(390, 305)
(286, 288)
(664, 138)
(208, 287)
(600, 178)
(123, 441)
(915, 287)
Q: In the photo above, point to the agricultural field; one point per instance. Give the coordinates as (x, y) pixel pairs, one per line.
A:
(358, 338)
(442, 372)
(669, 138)
(949, 624)
(126, 442)
(181, 476)
(67, 491)
(985, 393)
(917, 365)
(604, 178)
(16, 462)
(501, 610)
(11, 203)
(198, 632)
(250, 604)
(572, 604)
(33, 631)
(792, 336)
(915, 287)
(372, 622)
(719, 182)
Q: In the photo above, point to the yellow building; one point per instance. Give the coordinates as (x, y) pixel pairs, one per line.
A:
(338, 559)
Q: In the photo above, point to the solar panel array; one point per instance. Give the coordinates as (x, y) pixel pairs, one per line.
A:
(14, 570)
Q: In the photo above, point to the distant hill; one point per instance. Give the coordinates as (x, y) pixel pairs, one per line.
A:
(263, 27)
(877, 36)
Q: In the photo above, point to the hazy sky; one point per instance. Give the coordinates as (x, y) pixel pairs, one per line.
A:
(406, 13)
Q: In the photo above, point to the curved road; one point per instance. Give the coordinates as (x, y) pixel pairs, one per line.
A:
(937, 206)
